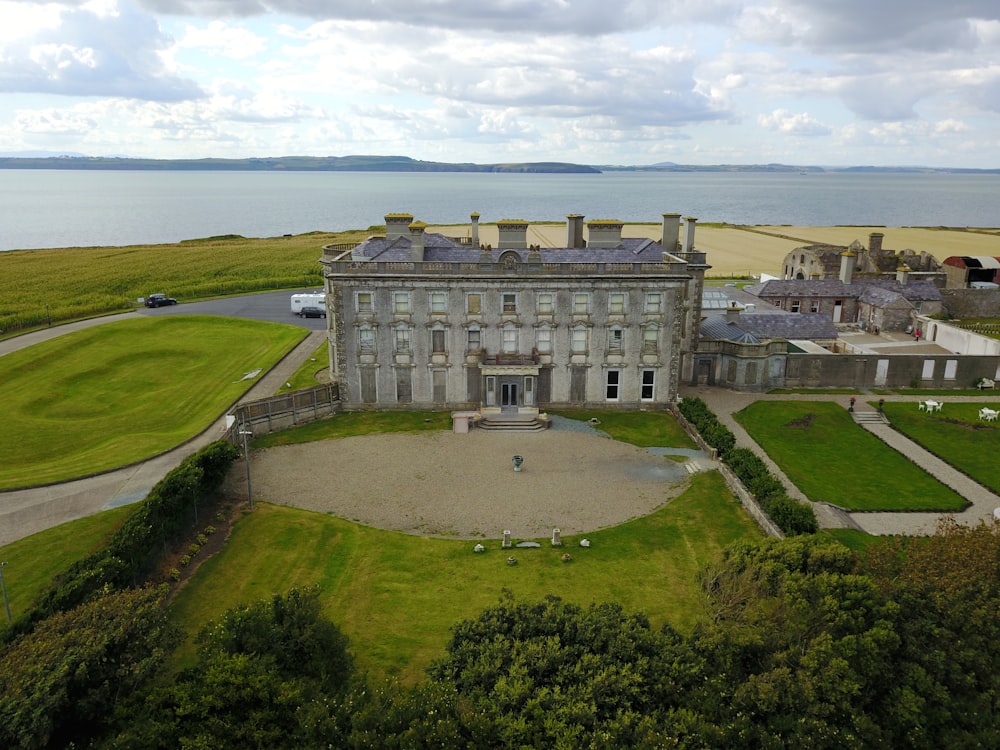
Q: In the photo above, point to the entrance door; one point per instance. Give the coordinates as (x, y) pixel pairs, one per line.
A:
(508, 395)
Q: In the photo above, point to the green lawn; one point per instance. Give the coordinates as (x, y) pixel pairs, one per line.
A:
(305, 376)
(955, 434)
(396, 595)
(34, 561)
(645, 429)
(105, 397)
(833, 460)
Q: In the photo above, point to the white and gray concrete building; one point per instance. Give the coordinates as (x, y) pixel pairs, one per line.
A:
(421, 320)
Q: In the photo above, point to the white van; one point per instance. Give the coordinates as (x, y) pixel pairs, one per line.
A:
(310, 299)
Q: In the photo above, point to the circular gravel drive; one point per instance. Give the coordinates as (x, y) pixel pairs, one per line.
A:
(465, 486)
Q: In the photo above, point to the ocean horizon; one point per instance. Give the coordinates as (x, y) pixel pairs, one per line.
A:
(84, 208)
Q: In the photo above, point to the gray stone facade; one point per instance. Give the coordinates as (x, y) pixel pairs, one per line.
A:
(420, 320)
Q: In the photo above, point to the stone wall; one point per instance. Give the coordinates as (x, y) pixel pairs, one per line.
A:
(971, 303)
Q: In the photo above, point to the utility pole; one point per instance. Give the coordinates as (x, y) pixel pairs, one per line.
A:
(246, 434)
(3, 586)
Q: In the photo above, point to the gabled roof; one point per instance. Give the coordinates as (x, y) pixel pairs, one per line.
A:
(913, 291)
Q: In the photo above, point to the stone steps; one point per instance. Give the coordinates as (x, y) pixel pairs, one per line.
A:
(869, 417)
(512, 425)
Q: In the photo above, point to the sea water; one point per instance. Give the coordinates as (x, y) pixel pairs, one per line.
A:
(71, 208)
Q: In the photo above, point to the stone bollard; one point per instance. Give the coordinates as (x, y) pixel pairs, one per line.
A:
(506, 539)
(556, 538)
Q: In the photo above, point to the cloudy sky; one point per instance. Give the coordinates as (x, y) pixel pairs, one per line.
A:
(828, 82)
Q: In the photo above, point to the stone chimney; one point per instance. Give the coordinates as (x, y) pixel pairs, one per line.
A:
(397, 225)
(574, 230)
(689, 233)
(671, 232)
(875, 242)
(604, 233)
(733, 313)
(475, 229)
(513, 234)
(847, 265)
(903, 275)
(417, 241)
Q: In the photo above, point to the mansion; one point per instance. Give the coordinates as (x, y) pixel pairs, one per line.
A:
(420, 320)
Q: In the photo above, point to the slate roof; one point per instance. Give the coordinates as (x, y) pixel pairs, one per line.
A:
(754, 327)
(924, 291)
(716, 327)
(778, 325)
(438, 248)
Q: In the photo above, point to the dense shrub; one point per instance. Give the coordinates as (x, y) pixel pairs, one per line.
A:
(790, 516)
(136, 546)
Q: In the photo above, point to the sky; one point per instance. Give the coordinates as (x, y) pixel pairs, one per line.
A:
(632, 82)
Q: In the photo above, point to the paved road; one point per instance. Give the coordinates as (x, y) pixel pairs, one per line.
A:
(25, 512)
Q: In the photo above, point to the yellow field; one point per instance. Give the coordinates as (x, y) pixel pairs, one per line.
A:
(739, 251)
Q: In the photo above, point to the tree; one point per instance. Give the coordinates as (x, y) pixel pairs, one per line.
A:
(63, 680)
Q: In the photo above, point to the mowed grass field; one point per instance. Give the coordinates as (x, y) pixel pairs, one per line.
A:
(833, 460)
(118, 393)
(39, 286)
(396, 596)
(956, 435)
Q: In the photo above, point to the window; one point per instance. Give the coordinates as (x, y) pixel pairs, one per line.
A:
(401, 303)
(616, 303)
(437, 341)
(616, 341)
(612, 385)
(509, 303)
(649, 340)
(648, 389)
(579, 344)
(439, 303)
(581, 303)
(473, 303)
(814, 306)
(543, 340)
(777, 303)
(402, 339)
(509, 340)
(795, 305)
(366, 340)
(545, 303)
(364, 300)
(473, 339)
(654, 303)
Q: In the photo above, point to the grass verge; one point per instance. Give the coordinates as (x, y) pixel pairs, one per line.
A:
(125, 391)
(831, 459)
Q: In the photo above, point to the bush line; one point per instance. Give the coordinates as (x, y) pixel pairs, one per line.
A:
(791, 516)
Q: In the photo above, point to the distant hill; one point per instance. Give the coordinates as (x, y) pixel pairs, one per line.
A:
(371, 163)
(290, 164)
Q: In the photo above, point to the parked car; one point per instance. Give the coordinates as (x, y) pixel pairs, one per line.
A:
(312, 312)
(159, 300)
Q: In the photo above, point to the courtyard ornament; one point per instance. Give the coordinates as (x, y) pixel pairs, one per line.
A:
(517, 461)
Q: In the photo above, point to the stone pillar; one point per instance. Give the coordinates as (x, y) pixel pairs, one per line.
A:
(689, 222)
(506, 539)
(556, 538)
(671, 232)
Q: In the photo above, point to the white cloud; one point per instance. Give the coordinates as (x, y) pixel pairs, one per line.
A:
(788, 123)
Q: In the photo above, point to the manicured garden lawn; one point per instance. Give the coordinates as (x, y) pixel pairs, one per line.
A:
(105, 397)
(955, 434)
(396, 595)
(345, 424)
(833, 460)
(305, 376)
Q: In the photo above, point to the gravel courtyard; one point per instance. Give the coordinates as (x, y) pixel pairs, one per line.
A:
(464, 485)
